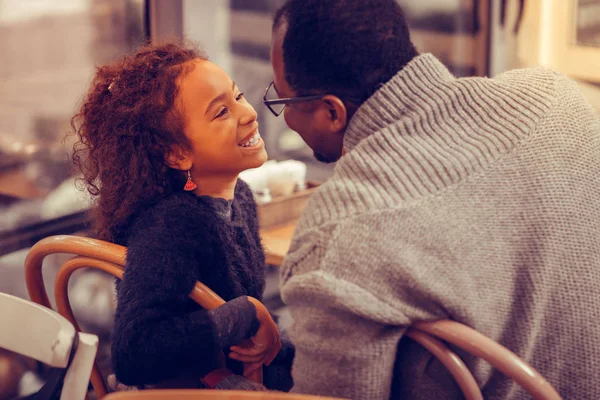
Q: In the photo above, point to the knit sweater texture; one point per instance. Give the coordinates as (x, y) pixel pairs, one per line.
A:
(162, 335)
(476, 200)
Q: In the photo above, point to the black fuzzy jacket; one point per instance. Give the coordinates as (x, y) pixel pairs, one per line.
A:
(160, 334)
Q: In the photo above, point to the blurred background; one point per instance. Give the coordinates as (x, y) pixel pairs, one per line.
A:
(50, 49)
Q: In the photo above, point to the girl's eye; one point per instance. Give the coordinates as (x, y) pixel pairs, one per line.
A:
(239, 96)
(224, 111)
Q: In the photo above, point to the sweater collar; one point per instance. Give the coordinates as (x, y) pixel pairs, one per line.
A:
(395, 98)
(425, 131)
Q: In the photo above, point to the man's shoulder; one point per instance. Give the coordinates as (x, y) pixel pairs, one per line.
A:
(532, 82)
(337, 199)
(355, 258)
(524, 74)
(540, 87)
(337, 240)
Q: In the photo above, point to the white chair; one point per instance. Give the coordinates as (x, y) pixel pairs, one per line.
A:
(42, 334)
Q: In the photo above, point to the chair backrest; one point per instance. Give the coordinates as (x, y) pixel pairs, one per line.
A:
(451, 361)
(212, 395)
(98, 254)
(44, 335)
(495, 354)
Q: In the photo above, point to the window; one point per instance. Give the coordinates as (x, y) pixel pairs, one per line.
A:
(50, 50)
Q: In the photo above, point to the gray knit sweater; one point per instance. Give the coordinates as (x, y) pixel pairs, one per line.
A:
(471, 199)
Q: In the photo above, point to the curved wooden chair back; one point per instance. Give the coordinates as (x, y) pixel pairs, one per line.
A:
(97, 254)
(481, 346)
(212, 395)
(453, 363)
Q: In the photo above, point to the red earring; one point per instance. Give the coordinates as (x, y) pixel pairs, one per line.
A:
(189, 185)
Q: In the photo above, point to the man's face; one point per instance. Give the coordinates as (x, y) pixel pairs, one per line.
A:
(303, 117)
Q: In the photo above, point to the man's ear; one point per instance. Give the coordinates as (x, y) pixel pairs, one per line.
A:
(334, 114)
(179, 158)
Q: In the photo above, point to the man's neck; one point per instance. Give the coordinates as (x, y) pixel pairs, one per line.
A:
(219, 187)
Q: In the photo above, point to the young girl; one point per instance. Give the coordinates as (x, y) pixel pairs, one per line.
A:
(165, 133)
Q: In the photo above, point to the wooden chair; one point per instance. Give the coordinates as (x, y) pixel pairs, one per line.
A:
(453, 363)
(44, 335)
(211, 395)
(483, 347)
(92, 253)
(111, 259)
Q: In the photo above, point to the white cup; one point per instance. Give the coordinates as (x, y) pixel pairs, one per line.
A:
(297, 170)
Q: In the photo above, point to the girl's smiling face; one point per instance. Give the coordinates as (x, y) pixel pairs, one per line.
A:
(220, 124)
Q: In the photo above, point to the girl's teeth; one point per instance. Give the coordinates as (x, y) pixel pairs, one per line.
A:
(253, 141)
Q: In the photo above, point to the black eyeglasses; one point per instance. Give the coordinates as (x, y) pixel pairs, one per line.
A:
(277, 105)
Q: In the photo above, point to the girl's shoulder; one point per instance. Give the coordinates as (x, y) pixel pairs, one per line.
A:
(178, 214)
(176, 205)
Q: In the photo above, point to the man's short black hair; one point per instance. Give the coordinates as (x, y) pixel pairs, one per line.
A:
(344, 47)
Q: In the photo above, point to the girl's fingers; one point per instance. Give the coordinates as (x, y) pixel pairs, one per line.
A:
(248, 359)
(248, 351)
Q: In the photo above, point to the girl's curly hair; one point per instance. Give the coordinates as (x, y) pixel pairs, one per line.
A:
(126, 127)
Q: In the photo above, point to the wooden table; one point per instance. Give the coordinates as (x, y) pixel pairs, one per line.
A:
(277, 242)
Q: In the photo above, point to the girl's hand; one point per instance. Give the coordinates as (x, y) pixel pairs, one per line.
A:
(263, 347)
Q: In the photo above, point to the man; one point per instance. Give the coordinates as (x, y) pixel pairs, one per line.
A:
(474, 199)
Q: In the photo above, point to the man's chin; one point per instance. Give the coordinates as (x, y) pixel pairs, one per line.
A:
(325, 159)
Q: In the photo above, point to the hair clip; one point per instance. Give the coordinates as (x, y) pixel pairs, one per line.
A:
(112, 85)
